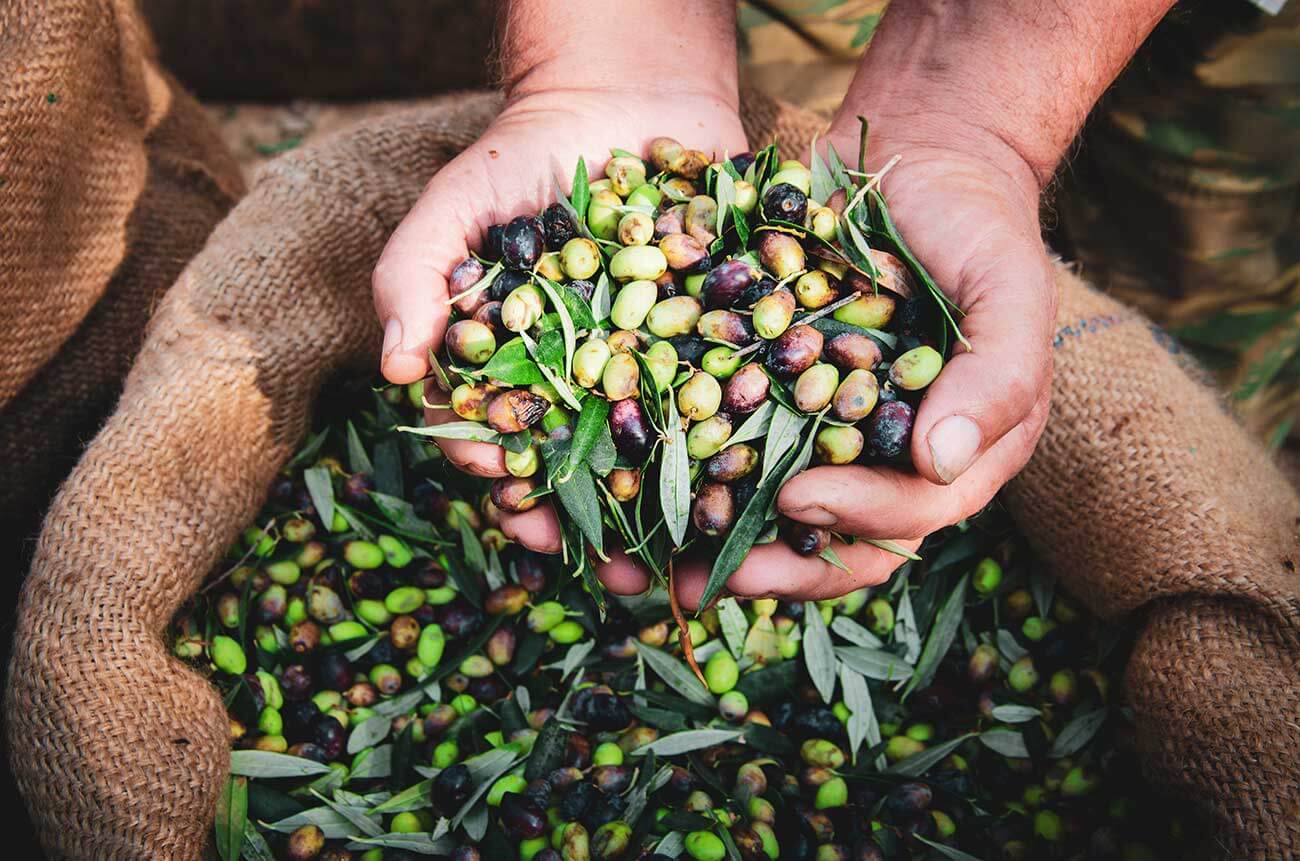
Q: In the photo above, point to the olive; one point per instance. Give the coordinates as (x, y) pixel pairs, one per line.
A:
(916, 368)
(506, 600)
(721, 362)
(470, 400)
(816, 386)
(822, 221)
(741, 161)
(612, 779)
(450, 789)
(838, 445)
(603, 214)
(589, 362)
(723, 325)
(701, 220)
(773, 314)
(814, 290)
(645, 195)
(662, 359)
(856, 397)
(637, 263)
(583, 288)
(305, 843)
(467, 273)
(671, 222)
(784, 202)
(549, 266)
(624, 484)
(678, 187)
(780, 253)
(795, 351)
(982, 665)
(725, 282)
(520, 464)
(699, 397)
(625, 174)
(794, 173)
(633, 302)
(515, 410)
(506, 281)
(715, 509)
(870, 311)
(489, 315)
(558, 226)
(850, 351)
(732, 463)
(746, 389)
(623, 340)
(683, 252)
(706, 438)
(987, 576)
(495, 239)
(470, 341)
(631, 431)
(676, 316)
(522, 242)
(580, 258)
(621, 377)
(665, 152)
(271, 605)
(746, 196)
(636, 228)
(889, 430)
(511, 494)
(806, 539)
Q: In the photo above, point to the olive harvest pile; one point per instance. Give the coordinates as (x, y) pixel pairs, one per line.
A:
(403, 683)
(661, 351)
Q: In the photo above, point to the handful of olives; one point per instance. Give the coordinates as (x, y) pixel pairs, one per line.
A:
(665, 347)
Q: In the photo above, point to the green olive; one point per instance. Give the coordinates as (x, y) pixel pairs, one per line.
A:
(706, 438)
(662, 359)
(838, 445)
(633, 302)
(523, 307)
(721, 362)
(814, 290)
(636, 228)
(870, 311)
(626, 174)
(773, 313)
(580, 258)
(699, 397)
(621, 377)
(589, 362)
(916, 369)
(702, 219)
(674, 316)
(638, 263)
(603, 214)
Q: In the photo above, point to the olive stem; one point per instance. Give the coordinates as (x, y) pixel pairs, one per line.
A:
(872, 183)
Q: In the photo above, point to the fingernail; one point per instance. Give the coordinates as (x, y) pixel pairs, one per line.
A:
(814, 515)
(954, 442)
(392, 336)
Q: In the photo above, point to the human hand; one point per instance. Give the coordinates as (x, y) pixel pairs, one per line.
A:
(510, 171)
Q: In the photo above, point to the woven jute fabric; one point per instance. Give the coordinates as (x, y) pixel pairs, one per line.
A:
(1144, 494)
(111, 178)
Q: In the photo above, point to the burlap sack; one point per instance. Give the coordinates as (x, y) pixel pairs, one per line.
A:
(111, 178)
(125, 750)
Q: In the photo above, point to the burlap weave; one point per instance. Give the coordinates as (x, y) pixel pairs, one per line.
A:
(1144, 494)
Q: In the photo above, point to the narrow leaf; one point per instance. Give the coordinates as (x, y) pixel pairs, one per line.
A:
(369, 733)
(942, 633)
(919, 763)
(675, 478)
(1012, 713)
(232, 818)
(945, 850)
(675, 674)
(755, 426)
(855, 633)
(320, 488)
(818, 653)
(687, 741)
(1077, 733)
(874, 663)
(1007, 742)
(358, 460)
(511, 364)
(735, 627)
(264, 763)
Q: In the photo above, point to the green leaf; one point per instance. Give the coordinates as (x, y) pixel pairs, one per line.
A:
(942, 633)
(782, 437)
(893, 547)
(264, 763)
(232, 818)
(401, 514)
(862, 725)
(675, 477)
(687, 741)
(1012, 713)
(675, 674)
(354, 814)
(334, 826)
(414, 797)
(945, 850)
(1077, 733)
(832, 557)
(511, 364)
(255, 847)
(874, 663)
(358, 460)
(592, 421)
(577, 494)
(601, 301)
(310, 449)
(855, 633)
(919, 763)
(755, 426)
(554, 293)
(419, 842)
(823, 182)
(580, 194)
(735, 627)
(369, 733)
(603, 454)
(838, 170)
(742, 226)
(560, 386)
(473, 431)
(725, 193)
(484, 769)
(1007, 742)
(818, 653)
(1009, 646)
(745, 530)
(320, 487)
(1043, 587)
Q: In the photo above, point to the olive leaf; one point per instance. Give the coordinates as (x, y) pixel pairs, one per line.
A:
(687, 741)
(830, 327)
(1012, 713)
(1043, 587)
(855, 633)
(601, 301)
(354, 814)
(946, 851)
(1007, 742)
(755, 426)
(675, 477)
(742, 226)
(1009, 646)
(577, 493)
(484, 769)
(919, 763)
(232, 818)
(591, 421)
(471, 547)
(419, 842)
(511, 364)
(782, 438)
(401, 515)
(553, 293)
(734, 625)
(578, 307)
(823, 183)
(818, 653)
(862, 725)
(725, 193)
(942, 633)
(320, 487)
(675, 674)
(369, 733)
(560, 386)
(414, 797)
(905, 628)
(331, 824)
(573, 659)
(255, 847)
(874, 663)
(839, 172)
(309, 450)
(358, 460)
(1077, 733)
(265, 763)
(581, 191)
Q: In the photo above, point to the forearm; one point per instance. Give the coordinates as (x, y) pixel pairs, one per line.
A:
(618, 45)
(1015, 79)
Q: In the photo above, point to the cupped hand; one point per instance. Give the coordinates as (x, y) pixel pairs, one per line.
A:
(971, 217)
(513, 170)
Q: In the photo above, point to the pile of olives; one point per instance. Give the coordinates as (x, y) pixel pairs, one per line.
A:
(687, 302)
(403, 682)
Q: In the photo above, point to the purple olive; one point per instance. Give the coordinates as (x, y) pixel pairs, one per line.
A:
(850, 351)
(795, 351)
(631, 431)
(785, 202)
(746, 389)
(522, 243)
(805, 539)
(511, 493)
(715, 509)
(467, 273)
(889, 430)
(726, 282)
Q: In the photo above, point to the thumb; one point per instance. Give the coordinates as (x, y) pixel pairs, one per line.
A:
(409, 282)
(987, 390)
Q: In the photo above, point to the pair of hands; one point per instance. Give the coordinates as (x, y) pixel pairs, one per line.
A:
(968, 210)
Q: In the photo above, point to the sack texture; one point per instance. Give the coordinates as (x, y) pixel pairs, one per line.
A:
(125, 749)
